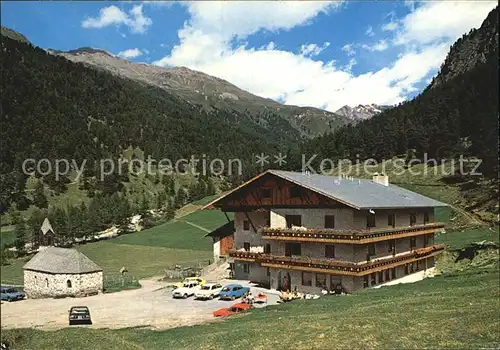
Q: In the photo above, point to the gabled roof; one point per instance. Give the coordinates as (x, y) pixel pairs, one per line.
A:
(46, 226)
(356, 193)
(61, 260)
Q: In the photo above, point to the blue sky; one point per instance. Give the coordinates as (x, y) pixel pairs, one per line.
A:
(322, 54)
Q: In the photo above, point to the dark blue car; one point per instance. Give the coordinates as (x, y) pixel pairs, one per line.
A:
(11, 294)
(233, 291)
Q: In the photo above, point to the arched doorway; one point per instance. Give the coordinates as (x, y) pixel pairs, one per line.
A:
(284, 281)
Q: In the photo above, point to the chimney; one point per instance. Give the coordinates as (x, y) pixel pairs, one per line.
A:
(381, 179)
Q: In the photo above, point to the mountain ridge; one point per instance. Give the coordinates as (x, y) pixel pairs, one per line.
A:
(14, 35)
(464, 55)
(209, 92)
(361, 112)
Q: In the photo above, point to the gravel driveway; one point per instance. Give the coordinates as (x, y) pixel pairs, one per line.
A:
(151, 305)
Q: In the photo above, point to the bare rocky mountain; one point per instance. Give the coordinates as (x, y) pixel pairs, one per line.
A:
(470, 50)
(360, 112)
(198, 88)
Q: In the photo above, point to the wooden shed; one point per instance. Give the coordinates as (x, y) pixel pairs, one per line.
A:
(223, 239)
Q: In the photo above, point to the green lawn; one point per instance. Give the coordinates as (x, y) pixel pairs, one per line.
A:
(179, 234)
(142, 261)
(12, 274)
(7, 235)
(146, 253)
(459, 239)
(206, 200)
(455, 311)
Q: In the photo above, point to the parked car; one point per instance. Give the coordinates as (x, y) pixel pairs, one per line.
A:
(186, 290)
(232, 310)
(233, 291)
(200, 281)
(79, 315)
(11, 294)
(208, 291)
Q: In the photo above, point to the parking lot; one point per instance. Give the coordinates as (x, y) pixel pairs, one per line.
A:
(151, 306)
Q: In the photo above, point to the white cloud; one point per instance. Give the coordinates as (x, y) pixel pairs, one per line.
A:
(349, 49)
(207, 44)
(107, 16)
(130, 53)
(369, 31)
(159, 3)
(113, 15)
(381, 45)
(441, 21)
(242, 18)
(348, 66)
(390, 26)
(312, 49)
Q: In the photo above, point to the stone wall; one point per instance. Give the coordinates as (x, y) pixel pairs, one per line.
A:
(46, 285)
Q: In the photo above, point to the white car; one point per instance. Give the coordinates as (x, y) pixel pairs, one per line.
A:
(208, 291)
(186, 290)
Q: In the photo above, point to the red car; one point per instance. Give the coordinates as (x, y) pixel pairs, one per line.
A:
(232, 310)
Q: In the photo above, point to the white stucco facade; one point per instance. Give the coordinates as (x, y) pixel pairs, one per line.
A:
(247, 238)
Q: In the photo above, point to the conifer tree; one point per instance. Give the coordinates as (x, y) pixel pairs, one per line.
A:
(20, 233)
(35, 222)
(39, 198)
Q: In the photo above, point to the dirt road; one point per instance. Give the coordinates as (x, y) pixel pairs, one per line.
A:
(149, 306)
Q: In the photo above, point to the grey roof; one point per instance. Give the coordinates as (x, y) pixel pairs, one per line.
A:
(359, 193)
(61, 260)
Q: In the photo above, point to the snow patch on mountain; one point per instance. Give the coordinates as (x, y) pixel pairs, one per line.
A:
(361, 112)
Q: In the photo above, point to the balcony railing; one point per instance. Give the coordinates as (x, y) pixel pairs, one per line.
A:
(335, 266)
(347, 236)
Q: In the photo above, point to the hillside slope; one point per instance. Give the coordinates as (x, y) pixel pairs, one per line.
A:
(57, 109)
(210, 92)
(458, 118)
(7, 32)
(457, 310)
(470, 50)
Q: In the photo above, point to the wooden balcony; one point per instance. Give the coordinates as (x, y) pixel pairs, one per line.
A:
(323, 235)
(336, 267)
